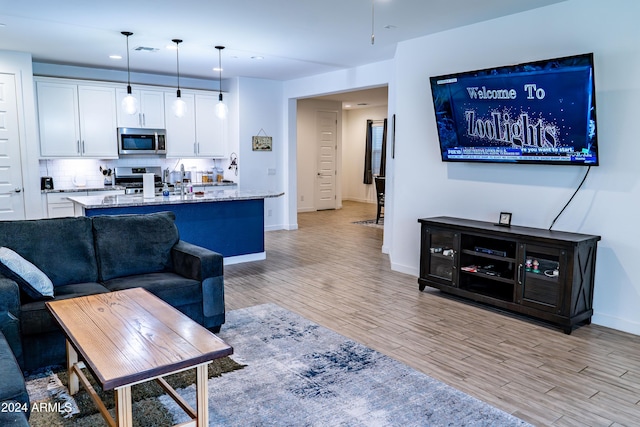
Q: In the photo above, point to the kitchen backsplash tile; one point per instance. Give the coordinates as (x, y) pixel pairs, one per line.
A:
(70, 173)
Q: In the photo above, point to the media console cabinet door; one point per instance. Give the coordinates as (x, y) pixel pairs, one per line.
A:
(439, 260)
(543, 277)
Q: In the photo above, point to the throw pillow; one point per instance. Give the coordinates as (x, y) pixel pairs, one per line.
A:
(30, 278)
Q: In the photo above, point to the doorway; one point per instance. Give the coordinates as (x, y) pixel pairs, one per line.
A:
(11, 194)
(327, 147)
(351, 110)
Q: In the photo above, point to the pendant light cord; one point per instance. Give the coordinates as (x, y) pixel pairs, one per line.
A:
(128, 69)
(127, 34)
(177, 42)
(373, 36)
(219, 71)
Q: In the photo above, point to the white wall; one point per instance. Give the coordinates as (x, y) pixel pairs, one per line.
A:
(353, 147)
(609, 202)
(259, 112)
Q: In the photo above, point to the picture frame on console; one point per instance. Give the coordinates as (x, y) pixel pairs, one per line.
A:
(505, 219)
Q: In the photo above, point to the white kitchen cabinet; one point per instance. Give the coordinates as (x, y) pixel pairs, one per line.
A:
(76, 120)
(59, 206)
(210, 137)
(150, 113)
(199, 133)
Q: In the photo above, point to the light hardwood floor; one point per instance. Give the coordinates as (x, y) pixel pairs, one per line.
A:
(333, 272)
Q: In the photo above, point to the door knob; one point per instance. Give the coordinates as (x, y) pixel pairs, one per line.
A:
(18, 189)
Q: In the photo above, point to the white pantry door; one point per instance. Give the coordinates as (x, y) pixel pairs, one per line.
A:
(11, 194)
(326, 125)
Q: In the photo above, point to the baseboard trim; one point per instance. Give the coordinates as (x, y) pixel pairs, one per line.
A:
(245, 258)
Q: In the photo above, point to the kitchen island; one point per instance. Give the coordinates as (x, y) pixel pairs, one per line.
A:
(230, 222)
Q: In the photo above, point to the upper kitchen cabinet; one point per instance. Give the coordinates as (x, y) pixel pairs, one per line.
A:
(76, 120)
(199, 133)
(150, 109)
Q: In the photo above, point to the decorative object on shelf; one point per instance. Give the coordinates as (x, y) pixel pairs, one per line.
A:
(505, 219)
(221, 107)
(108, 174)
(129, 103)
(233, 158)
(179, 106)
(261, 143)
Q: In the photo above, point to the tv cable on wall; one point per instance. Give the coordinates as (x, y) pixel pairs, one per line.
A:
(574, 195)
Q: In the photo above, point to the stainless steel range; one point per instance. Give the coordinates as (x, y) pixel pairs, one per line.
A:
(131, 178)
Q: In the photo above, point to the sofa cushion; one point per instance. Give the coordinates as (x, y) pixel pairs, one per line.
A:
(30, 278)
(61, 247)
(134, 244)
(35, 317)
(173, 289)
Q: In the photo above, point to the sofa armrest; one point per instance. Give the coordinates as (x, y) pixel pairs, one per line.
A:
(205, 265)
(9, 315)
(196, 262)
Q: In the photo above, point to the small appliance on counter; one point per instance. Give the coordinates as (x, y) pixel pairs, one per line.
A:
(46, 183)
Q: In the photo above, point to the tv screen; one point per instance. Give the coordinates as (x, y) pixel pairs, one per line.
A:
(537, 112)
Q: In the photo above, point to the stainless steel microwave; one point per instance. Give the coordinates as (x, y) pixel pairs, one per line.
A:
(142, 141)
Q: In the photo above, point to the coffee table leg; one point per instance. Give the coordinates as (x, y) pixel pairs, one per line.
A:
(72, 359)
(202, 395)
(123, 407)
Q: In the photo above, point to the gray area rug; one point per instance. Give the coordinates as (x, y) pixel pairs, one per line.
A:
(301, 374)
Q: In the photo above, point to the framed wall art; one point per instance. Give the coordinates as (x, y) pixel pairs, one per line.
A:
(261, 142)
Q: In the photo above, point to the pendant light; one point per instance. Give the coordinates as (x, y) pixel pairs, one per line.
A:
(129, 103)
(179, 106)
(221, 107)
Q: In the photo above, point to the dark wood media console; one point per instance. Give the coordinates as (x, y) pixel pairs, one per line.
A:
(547, 275)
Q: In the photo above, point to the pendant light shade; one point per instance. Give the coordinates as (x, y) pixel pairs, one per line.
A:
(179, 107)
(129, 103)
(221, 107)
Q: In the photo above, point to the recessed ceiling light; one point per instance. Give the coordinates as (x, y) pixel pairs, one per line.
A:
(390, 27)
(362, 103)
(257, 57)
(115, 56)
(2, 25)
(217, 69)
(347, 105)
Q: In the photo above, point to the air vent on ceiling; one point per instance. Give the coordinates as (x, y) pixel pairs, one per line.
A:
(146, 49)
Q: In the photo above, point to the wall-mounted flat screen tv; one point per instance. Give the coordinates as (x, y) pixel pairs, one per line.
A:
(537, 112)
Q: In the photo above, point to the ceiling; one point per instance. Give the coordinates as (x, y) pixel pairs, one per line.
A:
(271, 39)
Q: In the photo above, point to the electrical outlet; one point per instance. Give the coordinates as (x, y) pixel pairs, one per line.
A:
(302, 198)
(271, 171)
(269, 212)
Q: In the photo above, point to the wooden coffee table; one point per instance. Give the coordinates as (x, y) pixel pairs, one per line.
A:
(129, 337)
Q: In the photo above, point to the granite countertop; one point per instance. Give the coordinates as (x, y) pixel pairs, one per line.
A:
(81, 189)
(215, 195)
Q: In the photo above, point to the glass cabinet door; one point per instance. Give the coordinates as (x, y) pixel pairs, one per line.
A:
(441, 248)
(541, 275)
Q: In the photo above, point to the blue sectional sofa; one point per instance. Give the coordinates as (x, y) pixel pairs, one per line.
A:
(85, 256)
(14, 399)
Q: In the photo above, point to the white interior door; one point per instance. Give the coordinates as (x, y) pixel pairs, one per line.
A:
(326, 125)
(11, 194)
